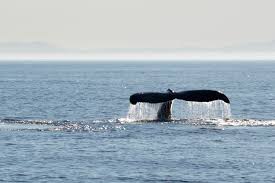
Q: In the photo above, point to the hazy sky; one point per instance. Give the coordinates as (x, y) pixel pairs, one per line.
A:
(136, 24)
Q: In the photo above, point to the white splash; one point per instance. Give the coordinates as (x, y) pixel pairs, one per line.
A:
(205, 110)
(143, 111)
(246, 122)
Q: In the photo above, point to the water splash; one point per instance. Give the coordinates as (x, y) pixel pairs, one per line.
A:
(143, 111)
(228, 122)
(246, 122)
(116, 125)
(205, 110)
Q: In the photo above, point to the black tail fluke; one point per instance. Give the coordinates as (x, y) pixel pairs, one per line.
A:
(151, 97)
(201, 96)
(192, 95)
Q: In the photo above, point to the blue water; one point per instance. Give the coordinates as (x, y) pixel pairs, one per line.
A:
(66, 122)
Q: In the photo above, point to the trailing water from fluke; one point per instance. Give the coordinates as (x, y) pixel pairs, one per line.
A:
(205, 110)
(143, 111)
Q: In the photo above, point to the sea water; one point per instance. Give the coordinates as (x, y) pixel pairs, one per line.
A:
(72, 122)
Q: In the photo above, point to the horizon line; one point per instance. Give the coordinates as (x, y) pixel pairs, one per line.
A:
(199, 56)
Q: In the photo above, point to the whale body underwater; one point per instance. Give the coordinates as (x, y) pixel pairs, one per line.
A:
(164, 112)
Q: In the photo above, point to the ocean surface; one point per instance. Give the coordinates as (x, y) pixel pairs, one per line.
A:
(72, 122)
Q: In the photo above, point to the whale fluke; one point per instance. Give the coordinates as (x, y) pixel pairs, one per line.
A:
(151, 97)
(201, 96)
(191, 95)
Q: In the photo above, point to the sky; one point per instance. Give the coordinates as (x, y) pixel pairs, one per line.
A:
(160, 29)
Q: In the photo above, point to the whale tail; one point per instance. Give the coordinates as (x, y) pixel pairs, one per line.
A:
(191, 95)
(164, 112)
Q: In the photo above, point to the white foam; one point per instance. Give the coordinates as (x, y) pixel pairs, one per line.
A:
(227, 122)
(246, 122)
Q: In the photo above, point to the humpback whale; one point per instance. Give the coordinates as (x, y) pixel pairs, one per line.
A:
(167, 98)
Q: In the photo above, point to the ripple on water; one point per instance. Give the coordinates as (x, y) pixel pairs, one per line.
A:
(209, 122)
(67, 126)
(119, 124)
